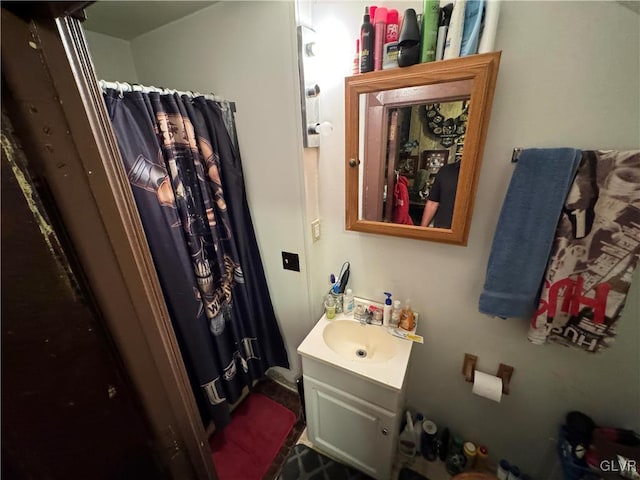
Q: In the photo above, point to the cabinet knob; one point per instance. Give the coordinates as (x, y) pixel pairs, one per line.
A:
(385, 432)
(354, 162)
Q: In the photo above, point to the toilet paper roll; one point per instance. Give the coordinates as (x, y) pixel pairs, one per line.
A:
(487, 386)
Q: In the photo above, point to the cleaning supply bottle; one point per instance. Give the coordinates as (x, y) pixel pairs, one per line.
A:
(379, 36)
(406, 317)
(386, 315)
(407, 439)
(395, 314)
(366, 43)
(349, 302)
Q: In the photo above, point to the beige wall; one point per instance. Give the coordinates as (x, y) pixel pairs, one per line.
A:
(112, 58)
(569, 77)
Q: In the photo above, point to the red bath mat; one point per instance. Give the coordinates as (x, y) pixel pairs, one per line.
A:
(247, 447)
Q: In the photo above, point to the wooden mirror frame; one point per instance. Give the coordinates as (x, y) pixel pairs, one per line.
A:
(482, 70)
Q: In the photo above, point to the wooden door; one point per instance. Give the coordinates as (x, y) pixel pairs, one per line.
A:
(50, 91)
(68, 409)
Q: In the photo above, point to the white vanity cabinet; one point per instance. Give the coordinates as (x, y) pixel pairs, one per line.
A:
(354, 386)
(354, 407)
(350, 428)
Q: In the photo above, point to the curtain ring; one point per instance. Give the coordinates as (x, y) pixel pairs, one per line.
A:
(120, 89)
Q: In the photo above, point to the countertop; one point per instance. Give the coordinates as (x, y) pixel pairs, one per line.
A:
(389, 373)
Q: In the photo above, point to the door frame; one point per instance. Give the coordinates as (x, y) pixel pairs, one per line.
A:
(54, 100)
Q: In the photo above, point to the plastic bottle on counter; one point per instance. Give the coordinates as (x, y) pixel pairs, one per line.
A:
(390, 47)
(348, 302)
(503, 470)
(482, 459)
(380, 33)
(514, 473)
(429, 31)
(456, 461)
(395, 314)
(406, 317)
(417, 428)
(330, 307)
(366, 43)
(386, 314)
(470, 452)
(428, 445)
(407, 439)
(356, 59)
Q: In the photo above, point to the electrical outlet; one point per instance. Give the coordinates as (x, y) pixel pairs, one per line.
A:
(315, 230)
(290, 261)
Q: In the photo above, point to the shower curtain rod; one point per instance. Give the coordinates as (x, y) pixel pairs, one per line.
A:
(128, 87)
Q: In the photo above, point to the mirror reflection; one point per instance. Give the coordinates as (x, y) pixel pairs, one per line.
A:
(412, 159)
(424, 148)
(414, 140)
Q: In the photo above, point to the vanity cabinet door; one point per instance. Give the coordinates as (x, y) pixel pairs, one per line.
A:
(351, 429)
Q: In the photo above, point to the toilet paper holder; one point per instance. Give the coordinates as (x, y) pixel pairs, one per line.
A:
(505, 372)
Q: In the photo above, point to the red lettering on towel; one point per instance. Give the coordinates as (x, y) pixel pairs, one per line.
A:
(573, 299)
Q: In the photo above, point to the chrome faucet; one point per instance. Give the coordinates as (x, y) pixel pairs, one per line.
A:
(362, 314)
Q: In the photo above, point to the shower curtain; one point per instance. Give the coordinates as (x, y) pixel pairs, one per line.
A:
(183, 164)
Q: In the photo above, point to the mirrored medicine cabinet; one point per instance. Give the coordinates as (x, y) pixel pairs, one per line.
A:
(414, 143)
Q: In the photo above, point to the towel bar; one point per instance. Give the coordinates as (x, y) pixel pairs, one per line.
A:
(516, 154)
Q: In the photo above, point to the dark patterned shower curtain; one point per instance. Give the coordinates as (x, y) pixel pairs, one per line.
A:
(183, 164)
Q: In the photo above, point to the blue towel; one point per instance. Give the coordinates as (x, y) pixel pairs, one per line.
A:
(526, 227)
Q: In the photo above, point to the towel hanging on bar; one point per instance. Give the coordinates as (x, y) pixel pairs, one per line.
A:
(595, 252)
(525, 230)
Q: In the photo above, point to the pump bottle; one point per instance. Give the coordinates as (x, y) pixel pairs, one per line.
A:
(406, 317)
(386, 313)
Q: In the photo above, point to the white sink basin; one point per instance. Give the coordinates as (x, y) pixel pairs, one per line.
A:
(354, 341)
(367, 351)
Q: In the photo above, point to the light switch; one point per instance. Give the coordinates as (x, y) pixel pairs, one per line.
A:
(315, 230)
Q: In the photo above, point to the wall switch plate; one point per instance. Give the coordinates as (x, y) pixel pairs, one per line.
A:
(290, 261)
(315, 230)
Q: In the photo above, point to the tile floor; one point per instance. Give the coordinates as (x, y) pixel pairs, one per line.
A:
(430, 470)
(287, 395)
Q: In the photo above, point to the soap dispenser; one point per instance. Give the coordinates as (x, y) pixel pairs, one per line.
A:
(406, 317)
(386, 315)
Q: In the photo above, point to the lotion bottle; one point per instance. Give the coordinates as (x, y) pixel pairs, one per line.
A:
(395, 314)
(386, 315)
(348, 302)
